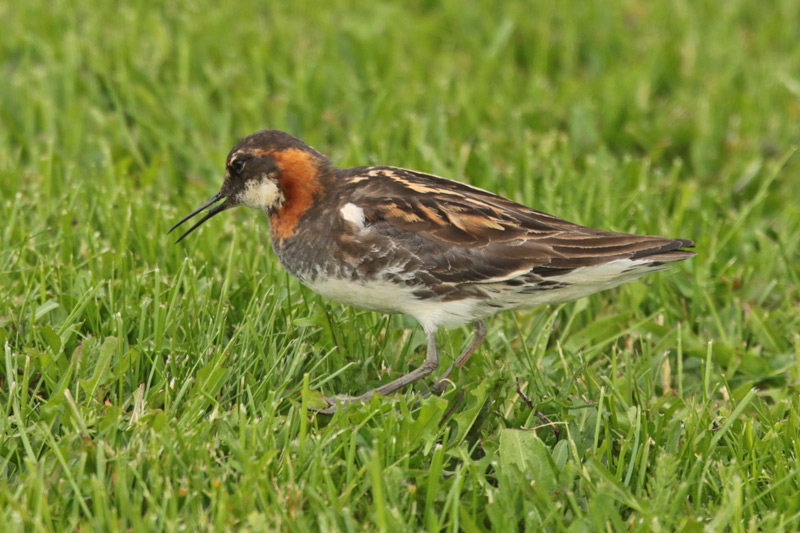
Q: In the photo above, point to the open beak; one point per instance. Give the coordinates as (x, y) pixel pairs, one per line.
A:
(217, 209)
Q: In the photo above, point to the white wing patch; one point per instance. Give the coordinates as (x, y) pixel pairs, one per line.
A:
(353, 214)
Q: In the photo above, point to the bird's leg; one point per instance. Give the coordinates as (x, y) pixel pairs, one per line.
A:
(478, 336)
(430, 364)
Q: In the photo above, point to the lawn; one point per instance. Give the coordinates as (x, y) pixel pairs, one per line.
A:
(150, 386)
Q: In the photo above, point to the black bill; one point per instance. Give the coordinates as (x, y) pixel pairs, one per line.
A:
(217, 209)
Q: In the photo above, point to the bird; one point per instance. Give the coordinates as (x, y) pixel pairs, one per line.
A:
(394, 240)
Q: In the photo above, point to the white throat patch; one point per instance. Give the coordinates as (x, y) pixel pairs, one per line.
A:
(261, 194)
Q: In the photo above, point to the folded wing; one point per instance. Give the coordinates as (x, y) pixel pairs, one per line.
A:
(467, 235)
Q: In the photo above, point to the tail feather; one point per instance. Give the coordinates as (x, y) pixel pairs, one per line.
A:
(671, 251)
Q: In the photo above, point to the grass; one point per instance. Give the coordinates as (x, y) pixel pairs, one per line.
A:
(152, 386)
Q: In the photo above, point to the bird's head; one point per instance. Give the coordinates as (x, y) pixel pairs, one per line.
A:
(266, 170)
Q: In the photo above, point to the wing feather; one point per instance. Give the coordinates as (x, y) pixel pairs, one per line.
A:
(463, 234)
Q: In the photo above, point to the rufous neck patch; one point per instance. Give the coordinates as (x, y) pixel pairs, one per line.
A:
(300, 182)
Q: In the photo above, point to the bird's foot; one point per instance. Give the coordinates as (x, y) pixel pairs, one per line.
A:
(441, 386)
(341, 401)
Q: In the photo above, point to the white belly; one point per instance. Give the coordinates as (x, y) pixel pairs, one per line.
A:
(393, 298)
(431, 313)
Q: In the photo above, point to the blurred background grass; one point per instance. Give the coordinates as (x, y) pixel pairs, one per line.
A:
(149, 385)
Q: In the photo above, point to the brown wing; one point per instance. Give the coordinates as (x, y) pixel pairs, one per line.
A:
(466, 234)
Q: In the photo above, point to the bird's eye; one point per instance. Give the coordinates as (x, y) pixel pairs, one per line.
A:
(237, 165)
